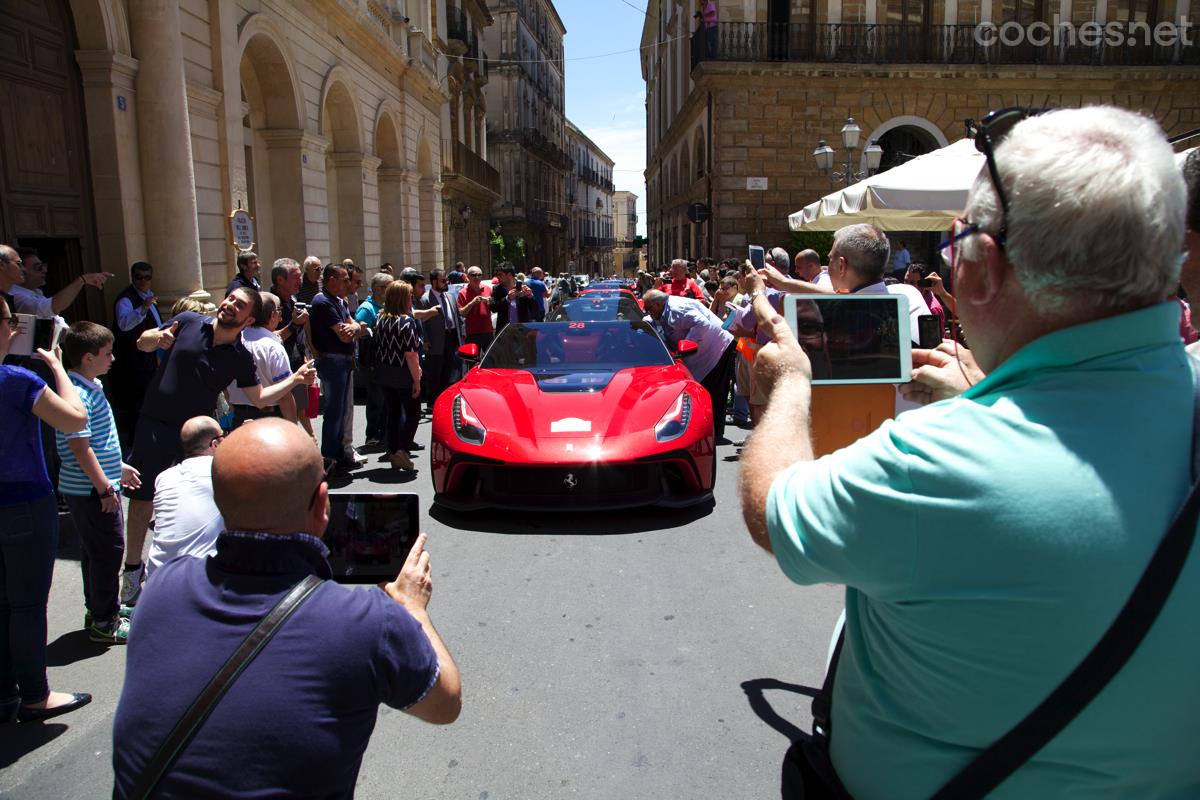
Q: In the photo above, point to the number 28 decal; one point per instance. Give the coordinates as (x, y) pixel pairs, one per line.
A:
(575, 326)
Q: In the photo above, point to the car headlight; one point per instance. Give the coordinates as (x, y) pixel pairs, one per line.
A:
(466, 424)
(675, 421)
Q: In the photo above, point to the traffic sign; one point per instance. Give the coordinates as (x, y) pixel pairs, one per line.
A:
(699, 213)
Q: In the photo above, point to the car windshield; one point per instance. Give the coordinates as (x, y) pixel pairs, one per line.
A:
(597, 308)
(545, 347)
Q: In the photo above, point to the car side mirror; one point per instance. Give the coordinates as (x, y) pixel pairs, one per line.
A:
(686, 348)
(469, 352)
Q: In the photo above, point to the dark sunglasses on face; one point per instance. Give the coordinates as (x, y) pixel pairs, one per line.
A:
(987, 136)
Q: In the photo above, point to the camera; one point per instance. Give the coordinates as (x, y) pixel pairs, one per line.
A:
(300, 306)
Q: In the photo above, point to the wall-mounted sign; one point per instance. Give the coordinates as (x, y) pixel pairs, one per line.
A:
(241, 229)
(756, 184)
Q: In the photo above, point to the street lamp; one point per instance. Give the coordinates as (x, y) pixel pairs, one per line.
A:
(850, 133)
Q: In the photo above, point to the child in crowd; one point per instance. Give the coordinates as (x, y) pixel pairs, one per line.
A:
(90, 481)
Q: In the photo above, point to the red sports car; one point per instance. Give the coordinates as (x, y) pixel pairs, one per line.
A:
(579, 414)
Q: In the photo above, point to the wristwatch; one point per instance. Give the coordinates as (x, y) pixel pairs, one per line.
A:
(110, 491)
(756, 293)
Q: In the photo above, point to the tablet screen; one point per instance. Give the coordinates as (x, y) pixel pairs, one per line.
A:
(369, 535)
(853, 338)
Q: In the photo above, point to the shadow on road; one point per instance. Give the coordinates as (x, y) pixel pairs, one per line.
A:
(756, 693)
(22, 739)
(588, 523)
(383, 475)
(72, 647)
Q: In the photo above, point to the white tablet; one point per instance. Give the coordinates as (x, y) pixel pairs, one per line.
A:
(853, 338)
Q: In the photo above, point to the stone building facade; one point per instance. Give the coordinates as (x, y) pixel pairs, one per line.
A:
(322, 119)
(625, 219)
(755, 99)
(472, 185)
(526, 134)
(590, 204)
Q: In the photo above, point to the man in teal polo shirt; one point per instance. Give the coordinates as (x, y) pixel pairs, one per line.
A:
(988, 541)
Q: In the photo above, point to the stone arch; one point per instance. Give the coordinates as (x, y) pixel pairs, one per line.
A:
(266, 62)
(101, 25)
(339, 112)
(339, 121)
(928, 135)
(698, 150)
(273, 139)
(391, 183)
(427, 204)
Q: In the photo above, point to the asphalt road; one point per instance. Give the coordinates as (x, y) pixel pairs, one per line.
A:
(654, 654)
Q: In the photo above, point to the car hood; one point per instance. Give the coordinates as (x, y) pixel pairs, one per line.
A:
(580, 405)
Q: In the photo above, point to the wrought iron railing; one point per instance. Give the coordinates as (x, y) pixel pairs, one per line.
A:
(468, 164)
(1122, 44)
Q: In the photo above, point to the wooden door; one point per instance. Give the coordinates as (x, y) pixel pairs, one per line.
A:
(45, 193)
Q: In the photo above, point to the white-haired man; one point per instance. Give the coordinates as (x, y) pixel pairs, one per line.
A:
(988, 542)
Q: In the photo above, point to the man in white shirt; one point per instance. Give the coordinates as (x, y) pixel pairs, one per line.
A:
(272, 362)
(186, 519)
(32, 301)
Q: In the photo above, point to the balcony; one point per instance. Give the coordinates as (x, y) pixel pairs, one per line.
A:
(469, 165)
(926, 44)
(598, 241)
(596, 178)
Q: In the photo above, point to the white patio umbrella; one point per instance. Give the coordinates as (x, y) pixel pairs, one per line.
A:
(923, 194)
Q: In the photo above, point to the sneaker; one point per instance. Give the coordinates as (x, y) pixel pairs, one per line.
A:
(124, 612)
(353, 455)
(115, 632)
(131, 585)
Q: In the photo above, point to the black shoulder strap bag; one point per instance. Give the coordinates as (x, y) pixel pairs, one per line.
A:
(189, 724)
(807, 766)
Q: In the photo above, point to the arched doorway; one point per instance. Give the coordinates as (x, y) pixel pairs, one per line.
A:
(45, 189)
(272, 141)
(904, 144)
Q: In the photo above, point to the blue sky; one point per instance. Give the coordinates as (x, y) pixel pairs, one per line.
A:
(606, 95)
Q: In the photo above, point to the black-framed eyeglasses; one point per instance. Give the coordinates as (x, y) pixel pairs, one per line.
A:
(327, 465)
(960, 229)
(987, 135)
(144, 276)
(12, 321)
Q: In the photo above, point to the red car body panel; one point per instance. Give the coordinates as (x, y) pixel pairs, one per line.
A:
(600, 439)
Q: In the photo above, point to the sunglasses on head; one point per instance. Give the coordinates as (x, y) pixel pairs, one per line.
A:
(987, 136)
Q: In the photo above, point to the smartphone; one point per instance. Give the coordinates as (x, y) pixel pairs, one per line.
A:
(369, 534)
(758, 256)
(925, 283)
(929, 331)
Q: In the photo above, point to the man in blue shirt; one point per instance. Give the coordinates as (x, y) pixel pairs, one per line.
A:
(988, 541)
(297, 721)
(712, 365)
(537, 285)
(366, 315)
(333, 333)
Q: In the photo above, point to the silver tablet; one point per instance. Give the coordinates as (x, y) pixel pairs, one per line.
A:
(862, 338)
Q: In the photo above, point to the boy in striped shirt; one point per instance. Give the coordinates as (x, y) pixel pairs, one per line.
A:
(90, 481)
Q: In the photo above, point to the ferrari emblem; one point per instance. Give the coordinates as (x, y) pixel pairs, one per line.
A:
(570, 481)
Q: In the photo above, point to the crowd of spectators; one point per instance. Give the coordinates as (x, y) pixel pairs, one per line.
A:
(951, 584)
